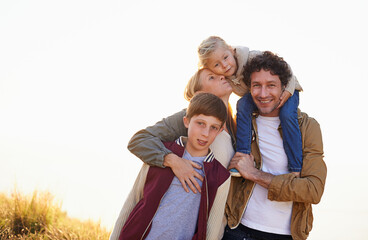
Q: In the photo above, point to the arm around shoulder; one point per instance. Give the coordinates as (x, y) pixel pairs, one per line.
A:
(147, 144)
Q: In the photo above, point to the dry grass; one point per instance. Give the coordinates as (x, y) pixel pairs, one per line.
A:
(38, 216)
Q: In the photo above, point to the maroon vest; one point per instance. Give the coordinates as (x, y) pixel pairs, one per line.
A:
(158, 181)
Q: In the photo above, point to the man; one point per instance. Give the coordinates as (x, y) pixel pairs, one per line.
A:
(269, 202)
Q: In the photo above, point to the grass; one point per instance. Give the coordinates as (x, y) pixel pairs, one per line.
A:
(39, 216)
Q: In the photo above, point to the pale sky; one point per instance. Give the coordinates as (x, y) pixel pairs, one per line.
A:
(79, 78)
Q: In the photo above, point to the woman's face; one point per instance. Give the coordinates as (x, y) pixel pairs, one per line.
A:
(215, 84)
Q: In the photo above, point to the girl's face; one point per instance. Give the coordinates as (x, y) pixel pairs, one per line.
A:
(222, 62)
(215, 84)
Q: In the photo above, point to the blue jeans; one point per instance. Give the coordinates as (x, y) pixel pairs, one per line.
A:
(292, 137)
(244, 233)
(236, 234)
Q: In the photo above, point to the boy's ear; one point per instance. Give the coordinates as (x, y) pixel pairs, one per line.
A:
(186, 121)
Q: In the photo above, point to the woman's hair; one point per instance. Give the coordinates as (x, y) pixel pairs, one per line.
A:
(208, 105)
(207, 47)
(268, 61)
(194, 85)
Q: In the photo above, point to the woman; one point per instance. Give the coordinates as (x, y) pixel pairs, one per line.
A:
(147, 145)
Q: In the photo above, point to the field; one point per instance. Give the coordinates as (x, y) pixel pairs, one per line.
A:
(39, 216)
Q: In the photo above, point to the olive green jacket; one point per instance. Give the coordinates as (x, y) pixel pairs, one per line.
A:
(303, 191)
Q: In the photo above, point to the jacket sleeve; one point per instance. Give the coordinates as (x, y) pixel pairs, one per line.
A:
(310, 186)
(217, 220)
(293, 83)
(147, 144)
(133, 198)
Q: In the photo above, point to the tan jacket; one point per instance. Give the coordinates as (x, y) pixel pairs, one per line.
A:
(303, 191)
(242, 56)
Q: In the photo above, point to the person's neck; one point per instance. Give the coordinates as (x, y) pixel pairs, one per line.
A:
(194, 153)
(225, 99)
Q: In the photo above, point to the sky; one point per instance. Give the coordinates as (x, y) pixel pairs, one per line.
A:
(79, 78)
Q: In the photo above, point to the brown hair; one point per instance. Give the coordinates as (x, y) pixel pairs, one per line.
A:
(207, 104)
(268, 61)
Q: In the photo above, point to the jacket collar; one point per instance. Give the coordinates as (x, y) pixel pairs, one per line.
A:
(241, 55)
(181, 142)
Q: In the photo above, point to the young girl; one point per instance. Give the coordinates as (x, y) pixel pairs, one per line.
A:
(215, 54)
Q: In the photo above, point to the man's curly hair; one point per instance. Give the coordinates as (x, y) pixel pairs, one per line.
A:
(268, 61)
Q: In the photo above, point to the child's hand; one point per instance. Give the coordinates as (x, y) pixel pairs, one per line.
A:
(284, 97)
(184, 171)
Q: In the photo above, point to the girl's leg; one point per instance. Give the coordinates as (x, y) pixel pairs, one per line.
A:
(292, 137)
(245, 108)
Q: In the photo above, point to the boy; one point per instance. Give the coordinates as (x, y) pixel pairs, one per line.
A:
(164, 210)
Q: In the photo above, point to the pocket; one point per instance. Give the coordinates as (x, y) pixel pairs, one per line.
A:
(233, 234)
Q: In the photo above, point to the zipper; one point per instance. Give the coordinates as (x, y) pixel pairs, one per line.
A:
(207, 213)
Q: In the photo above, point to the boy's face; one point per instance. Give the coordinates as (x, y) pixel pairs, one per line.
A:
(202, 131)
(266, 91)
(222, 62)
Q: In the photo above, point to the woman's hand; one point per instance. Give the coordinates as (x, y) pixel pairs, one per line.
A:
(184, 171)
(284, 97)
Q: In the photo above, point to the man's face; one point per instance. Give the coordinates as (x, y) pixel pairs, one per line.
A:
(266, 91)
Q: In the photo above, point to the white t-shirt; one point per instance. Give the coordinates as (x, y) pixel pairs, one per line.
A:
(261, 213)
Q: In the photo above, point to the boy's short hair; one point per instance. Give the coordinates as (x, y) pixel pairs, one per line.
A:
(208, 105)
(268, 61)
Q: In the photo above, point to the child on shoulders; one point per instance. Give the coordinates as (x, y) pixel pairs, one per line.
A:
(215, 54)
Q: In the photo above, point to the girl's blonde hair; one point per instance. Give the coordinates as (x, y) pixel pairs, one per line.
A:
(207, 47)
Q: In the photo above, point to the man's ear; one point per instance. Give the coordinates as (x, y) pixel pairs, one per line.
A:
(186, 121)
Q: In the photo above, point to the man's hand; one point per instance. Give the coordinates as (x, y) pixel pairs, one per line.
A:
(244, 163)
(284, 97)
(184, 171)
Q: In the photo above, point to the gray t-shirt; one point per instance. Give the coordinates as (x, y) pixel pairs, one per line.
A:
(176, 217)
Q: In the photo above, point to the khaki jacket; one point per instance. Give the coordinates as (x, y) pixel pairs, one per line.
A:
(303, 191)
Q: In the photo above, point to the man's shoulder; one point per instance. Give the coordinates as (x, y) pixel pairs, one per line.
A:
(309, 126)
(304, 118)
